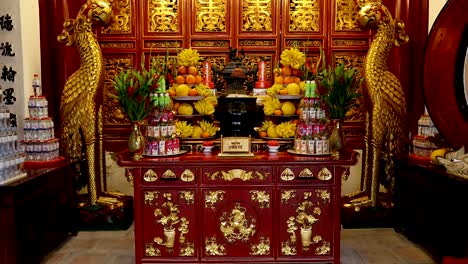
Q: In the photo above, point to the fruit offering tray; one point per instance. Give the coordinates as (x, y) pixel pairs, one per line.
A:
(187, 98)
(288, 96)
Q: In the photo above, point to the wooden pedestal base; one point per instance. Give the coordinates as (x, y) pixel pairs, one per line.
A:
(111, 213)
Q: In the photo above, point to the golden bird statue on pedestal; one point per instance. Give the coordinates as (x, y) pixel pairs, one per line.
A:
(385, 118)
(79, 119)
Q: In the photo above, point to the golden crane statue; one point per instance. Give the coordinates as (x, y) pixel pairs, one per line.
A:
(385, 118)
(79, 120)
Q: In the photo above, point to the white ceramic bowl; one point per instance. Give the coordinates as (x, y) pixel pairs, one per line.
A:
(207, 148)
(273, 149)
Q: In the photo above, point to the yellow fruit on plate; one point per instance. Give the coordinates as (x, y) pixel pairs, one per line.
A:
(293, 88)
(185, 109)
(288, 108)
(271, 132)
(197, 131)
(182, 90)
(438, 153)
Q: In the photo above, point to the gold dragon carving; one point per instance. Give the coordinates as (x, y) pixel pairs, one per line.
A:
(385, 128)
(79, 120)
(237, 225)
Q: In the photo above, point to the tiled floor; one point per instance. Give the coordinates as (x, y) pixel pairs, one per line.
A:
(359, 246)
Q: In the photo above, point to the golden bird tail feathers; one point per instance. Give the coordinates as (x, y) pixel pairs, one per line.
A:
(71, 146)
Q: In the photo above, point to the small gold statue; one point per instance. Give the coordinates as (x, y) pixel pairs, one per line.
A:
(79, 120)
(385, 128)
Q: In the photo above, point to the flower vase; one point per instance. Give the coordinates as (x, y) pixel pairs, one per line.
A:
(337, 137)
(306, 237)
(136, 141)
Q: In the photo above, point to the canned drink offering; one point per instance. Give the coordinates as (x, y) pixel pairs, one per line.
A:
(311, 146)
(154, 148)
(169, 147)
(175, 145)
(162, 147)
(318, 146)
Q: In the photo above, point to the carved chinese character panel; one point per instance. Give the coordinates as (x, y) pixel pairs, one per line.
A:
(305, 222)
(304, 17)
(169, 223)
(210, 17)
(164, 17)
(258, 17)
(237, 223)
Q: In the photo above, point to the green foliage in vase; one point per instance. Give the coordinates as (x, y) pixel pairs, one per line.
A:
(133, 88)
(341, 85)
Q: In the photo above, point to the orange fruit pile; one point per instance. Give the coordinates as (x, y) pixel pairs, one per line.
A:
(188, 75)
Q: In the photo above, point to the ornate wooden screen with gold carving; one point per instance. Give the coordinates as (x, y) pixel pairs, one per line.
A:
(262, 28)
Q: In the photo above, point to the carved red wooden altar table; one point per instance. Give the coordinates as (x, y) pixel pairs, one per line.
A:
(199, 207)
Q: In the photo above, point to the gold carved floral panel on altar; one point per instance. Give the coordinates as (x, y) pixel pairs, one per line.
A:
(346, 15)
(304, 222)
(117, 45)
(303, 43)
(211, 15)
(341, 42)
(226, 175)
(171, 220)
(210, 43)
(257, 15)
(114, 64)
(163, 44)
(164, 16)
(304, 16)
(122, 18)
(238, 222)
